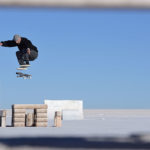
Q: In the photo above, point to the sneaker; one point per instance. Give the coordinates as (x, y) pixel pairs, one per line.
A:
(27, 63)
(21, 62)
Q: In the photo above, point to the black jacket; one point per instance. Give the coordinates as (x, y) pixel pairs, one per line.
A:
(24, 44)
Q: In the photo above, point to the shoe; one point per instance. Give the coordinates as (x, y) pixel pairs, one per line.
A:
(27, 63)
(21, 62)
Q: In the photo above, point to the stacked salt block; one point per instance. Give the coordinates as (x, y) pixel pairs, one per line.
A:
(57, 119)
(29, 119)
(3, 118)
(19, 115)
(41, 119)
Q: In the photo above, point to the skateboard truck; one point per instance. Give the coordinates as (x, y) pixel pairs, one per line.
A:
(24, 76)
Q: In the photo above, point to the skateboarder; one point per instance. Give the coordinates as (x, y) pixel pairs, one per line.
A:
(27, 51)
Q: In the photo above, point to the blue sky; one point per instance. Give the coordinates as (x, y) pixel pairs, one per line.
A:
(101, 57)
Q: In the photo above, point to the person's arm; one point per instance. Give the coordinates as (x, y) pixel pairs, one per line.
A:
(29, 45)
(28, 51)
(9, 43)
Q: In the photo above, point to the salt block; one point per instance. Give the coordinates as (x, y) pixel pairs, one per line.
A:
(29, 106)
(29, 120)
(61, 105)
(40, 110)
(2, 121)
(3, 113)
(57, 119)
(41, 124)
(19, 120)
(70, 114)
(41, 115)
(19, 110)
(19, 124)
(41, 119)
(19, 115)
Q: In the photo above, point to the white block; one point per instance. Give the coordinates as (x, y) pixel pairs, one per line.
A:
(61, 105)
(71, 115)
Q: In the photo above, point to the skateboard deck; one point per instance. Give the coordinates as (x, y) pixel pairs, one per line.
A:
(23, 67)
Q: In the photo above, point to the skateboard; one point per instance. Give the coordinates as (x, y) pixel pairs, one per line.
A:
(23, 67)
(23, 75)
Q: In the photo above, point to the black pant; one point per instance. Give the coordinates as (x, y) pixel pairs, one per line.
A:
(24, 58)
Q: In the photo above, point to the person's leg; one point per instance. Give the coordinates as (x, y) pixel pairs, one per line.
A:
(19, 57)
(25, 57)
(33, 55)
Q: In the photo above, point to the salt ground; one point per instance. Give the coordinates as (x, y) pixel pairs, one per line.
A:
(100, 129)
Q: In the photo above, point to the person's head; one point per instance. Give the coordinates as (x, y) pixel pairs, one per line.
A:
(17, 38)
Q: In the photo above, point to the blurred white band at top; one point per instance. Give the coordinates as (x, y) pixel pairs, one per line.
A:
(141, 4)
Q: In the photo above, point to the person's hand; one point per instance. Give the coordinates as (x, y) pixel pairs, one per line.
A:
(1, 44)
(28, 51)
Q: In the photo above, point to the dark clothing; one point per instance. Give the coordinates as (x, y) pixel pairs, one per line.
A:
(24, 58)
(24, 44)
(22, 55)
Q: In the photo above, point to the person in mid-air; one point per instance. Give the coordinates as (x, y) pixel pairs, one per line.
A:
(27, 51)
